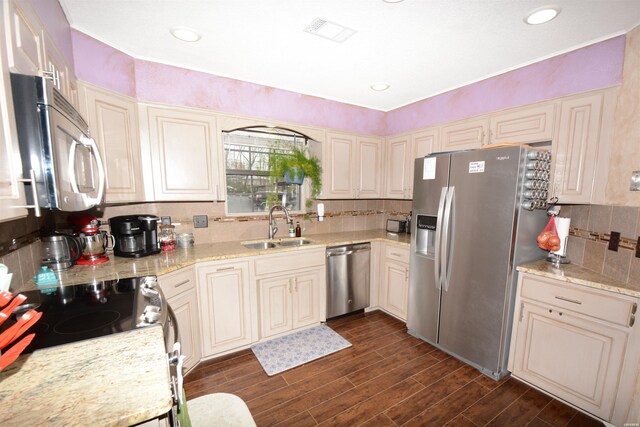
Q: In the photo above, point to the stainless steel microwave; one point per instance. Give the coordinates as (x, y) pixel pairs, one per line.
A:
(68, 173)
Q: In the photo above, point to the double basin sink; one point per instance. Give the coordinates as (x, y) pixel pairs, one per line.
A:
(269, 244)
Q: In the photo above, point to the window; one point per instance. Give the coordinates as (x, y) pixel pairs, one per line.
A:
(247, 169)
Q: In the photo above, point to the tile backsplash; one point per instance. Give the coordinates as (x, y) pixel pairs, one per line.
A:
(591, 227)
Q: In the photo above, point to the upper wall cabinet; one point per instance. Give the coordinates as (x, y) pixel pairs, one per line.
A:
(31, 50)
(524, 125)
(113, 119)
(575, 148)
(465, 134)
(351, 166)
(11, 189)
(183, 148)
(401, 154)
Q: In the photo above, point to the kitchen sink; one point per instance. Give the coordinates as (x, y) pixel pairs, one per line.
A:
(270, 244)
(295, 242)
(259, 245)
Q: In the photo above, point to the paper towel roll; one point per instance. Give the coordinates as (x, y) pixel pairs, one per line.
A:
(562, 225)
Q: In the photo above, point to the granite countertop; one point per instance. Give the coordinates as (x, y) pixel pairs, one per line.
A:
(575, 274)
(163, 263)
(120, 379)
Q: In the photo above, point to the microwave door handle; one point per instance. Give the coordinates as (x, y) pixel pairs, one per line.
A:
(91, 144)
(438, 239)
(70, 167)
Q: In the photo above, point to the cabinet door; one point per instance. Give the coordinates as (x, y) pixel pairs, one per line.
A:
(11, 190)
(393, 288)
(275, 305)
(396, 167)
(423, 143)
(184, 154)
(368, 168)
(225, 306)
(25, 44)
(567, 355)
(55, 66)
(464, 135)
(532, 124)
(575, 149)
(185, 307)
(114, 125)
(339, 173)
(306, 298)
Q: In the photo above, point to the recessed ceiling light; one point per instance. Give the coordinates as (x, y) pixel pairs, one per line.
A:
(542, 15)
(392, 1)
(380, 86)
(185, 34)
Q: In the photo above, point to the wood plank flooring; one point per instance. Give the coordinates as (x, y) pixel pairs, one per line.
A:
(387, 378)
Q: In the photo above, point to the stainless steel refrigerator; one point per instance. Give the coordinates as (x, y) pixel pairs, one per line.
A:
(476, 216)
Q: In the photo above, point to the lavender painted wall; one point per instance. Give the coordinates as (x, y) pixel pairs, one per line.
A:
(103, 65)
(55, 22)
(168, 84)
(595, 66)
(592, 67)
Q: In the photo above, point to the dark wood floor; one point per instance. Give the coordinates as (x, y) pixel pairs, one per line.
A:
(386, 378)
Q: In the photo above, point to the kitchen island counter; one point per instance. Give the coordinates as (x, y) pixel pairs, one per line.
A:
(581, 276)
(166, 262)
(119, 379)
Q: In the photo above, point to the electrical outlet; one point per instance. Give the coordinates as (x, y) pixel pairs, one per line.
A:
(200, 221)
(614, 241)
(165, 220)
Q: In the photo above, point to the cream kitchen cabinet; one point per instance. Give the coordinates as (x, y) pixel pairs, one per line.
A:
(179, 288)
(183, 150)
(352, 166)
(59, 71)
(226, 301)
(575, 148)
(11, 189)
(113, 119)
(397, 167)
(423, 143)
(576, 343)
(25, 44)
(464, 134)
(534, 123)
(394, 279)
(291, 291)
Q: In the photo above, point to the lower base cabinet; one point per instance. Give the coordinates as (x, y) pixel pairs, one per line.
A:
(394, 280)
(225, 298)
(180, 290)
(577, 344)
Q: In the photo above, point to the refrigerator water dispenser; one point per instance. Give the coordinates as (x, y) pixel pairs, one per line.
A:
(426, 234)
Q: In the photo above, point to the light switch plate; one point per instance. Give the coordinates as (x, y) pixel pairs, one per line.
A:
(200, 221)
(635, 181)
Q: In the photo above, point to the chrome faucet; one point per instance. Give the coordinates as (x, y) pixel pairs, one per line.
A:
(272, 228)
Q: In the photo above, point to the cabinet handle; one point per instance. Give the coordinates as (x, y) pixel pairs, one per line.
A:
(632, 320)
(295, 284)
(177, 285)
(574, 301)
(634, 308)
(395, 254)
(225, 268)
(34, 193)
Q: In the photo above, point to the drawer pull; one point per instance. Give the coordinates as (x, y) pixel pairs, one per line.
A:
(632, 320)
(184, 282)
(634, 308)
(395, 254)
(225, 268)
(574, 301)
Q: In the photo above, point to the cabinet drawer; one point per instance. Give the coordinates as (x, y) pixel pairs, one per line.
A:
(396, 253)
(591, 302)
(177, 282)
(267, 264)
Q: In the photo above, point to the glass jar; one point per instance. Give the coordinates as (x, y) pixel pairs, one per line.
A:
(167, 237)
(185, 240)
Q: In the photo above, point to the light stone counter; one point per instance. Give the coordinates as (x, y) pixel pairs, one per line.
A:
(120, 379)
(163, 263)
(581, 276)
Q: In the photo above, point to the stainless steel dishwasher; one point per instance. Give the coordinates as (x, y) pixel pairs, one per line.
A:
(348, 278)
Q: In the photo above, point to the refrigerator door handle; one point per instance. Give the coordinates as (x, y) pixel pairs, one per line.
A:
(438, 240)
(447, 242)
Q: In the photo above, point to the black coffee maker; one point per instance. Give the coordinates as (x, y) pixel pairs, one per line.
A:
(135, 235)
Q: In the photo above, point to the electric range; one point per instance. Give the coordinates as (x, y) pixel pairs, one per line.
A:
(79, 312)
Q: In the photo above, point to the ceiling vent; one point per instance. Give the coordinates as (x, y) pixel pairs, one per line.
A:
(329, 30)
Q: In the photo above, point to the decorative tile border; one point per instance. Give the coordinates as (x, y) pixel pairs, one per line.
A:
(625, 243)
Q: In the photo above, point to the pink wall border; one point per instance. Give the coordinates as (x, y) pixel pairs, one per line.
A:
(592, 67)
